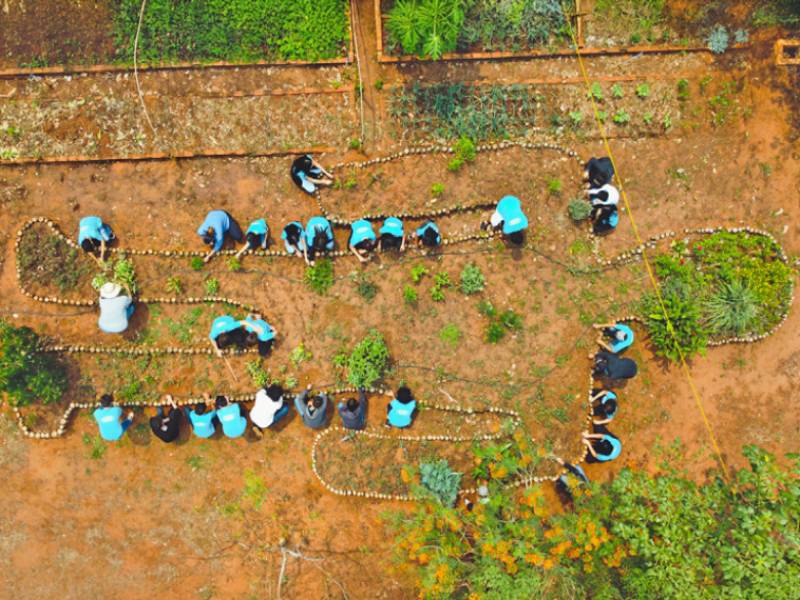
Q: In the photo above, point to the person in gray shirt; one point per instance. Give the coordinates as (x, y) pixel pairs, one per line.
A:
(354, 412)
(116, 308)
(313, 410)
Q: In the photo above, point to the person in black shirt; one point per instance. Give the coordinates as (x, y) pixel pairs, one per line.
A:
(354, 412)
(599, 171)
(307, 174)
(167, 427)
(610, 366)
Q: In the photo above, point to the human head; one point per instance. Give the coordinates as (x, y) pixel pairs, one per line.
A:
(603, 195)
(224, 339)
(609, 407)
(352, 404)
(292, 234)
(620, 335)
(317, 401)
(106, 400)
(252, 240)
(603, 447)
(404, 395)
(221, 402)
(87, 245)
(200, 408)
(430, 237)
(516, 238)
(390, 241)
(320, 238)
(366, 245)
(208, 237)
(275, 391)
(251, 338)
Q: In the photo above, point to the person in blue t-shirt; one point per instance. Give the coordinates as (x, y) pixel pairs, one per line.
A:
(401, 411)
(294, 238)
(392, 234)
(319, 237)
(362, 239)
(225, 331)
(573, 477)
(619, 337)
(201, 418)
(603, 446)
(216, 226)
(93, 235)
(255, 237)
(428, 235)
(510, 220)
(259, 332)
(230, 417)
(604, 406)
(108, 419)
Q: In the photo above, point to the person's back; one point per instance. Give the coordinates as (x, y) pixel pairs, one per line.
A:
(108, 421)
(268, 409)
(166, 427)
(203, 424)
(315, 414)
(233, 423)
(401, 410)
(354, 412)
(114, 314)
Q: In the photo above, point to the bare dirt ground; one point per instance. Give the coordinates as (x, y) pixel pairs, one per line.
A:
(204, 519)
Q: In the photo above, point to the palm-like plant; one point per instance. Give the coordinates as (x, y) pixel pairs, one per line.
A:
(733, 310)
(426, 26)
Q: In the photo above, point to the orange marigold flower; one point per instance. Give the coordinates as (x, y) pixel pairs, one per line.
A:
(423, 559)
(547, 564)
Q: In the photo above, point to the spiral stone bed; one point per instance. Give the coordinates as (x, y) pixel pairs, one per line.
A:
(631, 256)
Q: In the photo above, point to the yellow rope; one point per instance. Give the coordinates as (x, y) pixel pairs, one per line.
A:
(684, 367)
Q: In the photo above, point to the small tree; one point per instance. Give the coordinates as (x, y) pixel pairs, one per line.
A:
(26, 374)
(368, 360)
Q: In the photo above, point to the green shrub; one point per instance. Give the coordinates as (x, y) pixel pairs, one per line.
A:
(319, 277)
(596, 92)
(174, 286)
(450, 334)
(616, 91)
(554, 186)
(196, 263)
(511, 320)
(733, 310)
(579, 209)
(487, 309)
(686, 335)
(495, 332)
(410, 295)
(212, 286)
(472, 279)
(258, 374)
(417, 272)
(365, 287)
(621, 118)
(367, 362)
(718, 40)
(26, 374)
(437, 189)
(120, 272)
(233, 30)
(643, 90)
(234, 264)
(441, 481)
(426, 26)
(465, 149)
(455, 164)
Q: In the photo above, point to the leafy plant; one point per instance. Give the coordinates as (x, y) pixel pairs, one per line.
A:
(718, 40)
(733, 310)
(300, 354)
(450, 334)
(26, 374)
(354, 144)
(465, 149)
(487, 309)
(643, 90)
(683, 90)
(437, 189)
(576, 117)
(417, 273)
(511, 320)
(174, 286)
(616, 91)
(472, 279)
(319, 277)
(441, 481)
(196, 263)
(622, 118)
(495, 332)
(258, 374)
(365, 287)
(554, 186)
(741, 36)
(410, 295)
(234, 264)
(440, 281)
(212, 286)
(367, 362)
(120, 272)
(596, 92)
(579, 209)
(426, 26)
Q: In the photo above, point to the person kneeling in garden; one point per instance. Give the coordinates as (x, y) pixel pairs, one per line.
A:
(401, 411)
(269, 408)
(226, 331)
(116, 309)
(510, 220)
(598, 172)
(108, 419)
(255, 237)
(217, 224)
(259, 332)
(362, 239)
(201, 418)
(307, 174)
(610, 366)
(603, 446)
(167, 426)
(354, 412)
(392, 235)
(428, 235)
(312, 410)
(230, 416)
(93, 235)
(294, 238)
(619, 337)
(604, 406)
(319, 237)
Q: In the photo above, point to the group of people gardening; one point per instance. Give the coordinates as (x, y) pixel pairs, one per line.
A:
(270, 406)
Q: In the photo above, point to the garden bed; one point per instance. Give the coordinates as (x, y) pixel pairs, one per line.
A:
(41, 35)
